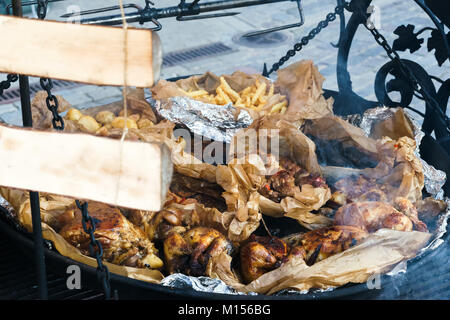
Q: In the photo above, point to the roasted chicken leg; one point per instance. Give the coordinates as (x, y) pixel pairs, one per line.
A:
(374, 215)
(260, 255)
(190, 252)
(122, 242)
(319, 244)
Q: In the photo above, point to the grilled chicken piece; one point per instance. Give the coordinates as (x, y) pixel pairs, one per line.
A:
(260, 255)
(405, 206)
(122, 242)
(319, 244)
(190, 252)
(206, 193)
(177, 214)
(372, 215)
(288, 180)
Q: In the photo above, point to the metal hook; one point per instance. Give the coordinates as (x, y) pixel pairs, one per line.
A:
(288, 26)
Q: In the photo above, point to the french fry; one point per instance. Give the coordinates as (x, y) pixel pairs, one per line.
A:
(246, 91)
(227, 89)
(223, 95)
(197, 93)
(219, 100)
(270, 94)
(277, 107)
(259, 91)
(248, 101)
(253, 97)
(262, 100)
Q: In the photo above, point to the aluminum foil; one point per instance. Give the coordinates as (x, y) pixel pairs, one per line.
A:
(208, 120)
(204, 284)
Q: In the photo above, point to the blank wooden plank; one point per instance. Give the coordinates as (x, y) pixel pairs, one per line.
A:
(81, 53)
(85, 167)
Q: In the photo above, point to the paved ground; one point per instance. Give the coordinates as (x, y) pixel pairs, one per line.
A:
(366, 57)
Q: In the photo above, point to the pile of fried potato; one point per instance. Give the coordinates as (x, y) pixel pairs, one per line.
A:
(253, 97)
(105, 120)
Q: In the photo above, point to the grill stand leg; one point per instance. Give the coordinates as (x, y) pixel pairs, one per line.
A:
(39, 257)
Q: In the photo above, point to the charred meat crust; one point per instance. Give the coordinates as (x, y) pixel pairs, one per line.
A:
(207, 193)
(260, 255)
(190, 252)
(287, 181)
(122, 242)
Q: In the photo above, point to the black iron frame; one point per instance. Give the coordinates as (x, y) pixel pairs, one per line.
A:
(343, 98)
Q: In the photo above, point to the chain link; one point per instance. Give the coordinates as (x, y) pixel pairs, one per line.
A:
(305, 40)
(5, 84)
(95, 248)
(52, 104)
(41, 9)
(408, 74)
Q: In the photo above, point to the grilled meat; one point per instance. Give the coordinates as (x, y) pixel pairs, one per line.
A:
(374, 215)
(287, 181)
(177, 214)
(122, 242)
(190, 252)
(263, 254)
(319, 244)
(405, 206)
(206, 193)
(260, 255)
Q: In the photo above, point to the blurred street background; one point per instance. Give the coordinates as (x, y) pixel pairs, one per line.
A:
(194, 47)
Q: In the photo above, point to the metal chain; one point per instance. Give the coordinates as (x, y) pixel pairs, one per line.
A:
(408, 74)
(88, 222)
(5, 84)
(52, 104)
(95, 248)
(46, 84)
(41, 9)
(305, 40)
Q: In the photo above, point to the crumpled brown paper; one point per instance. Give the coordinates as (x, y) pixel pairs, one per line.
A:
(377, 254)
(236, 225)
(302, 83)
(331, 127)
(394, 127)
(243, 176)
(41, 115)
(399, 169)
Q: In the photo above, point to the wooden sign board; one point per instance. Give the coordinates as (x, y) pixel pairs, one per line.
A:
(127, 174)
(74, 52)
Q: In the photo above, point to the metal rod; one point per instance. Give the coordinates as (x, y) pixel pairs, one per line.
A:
(39, 257)
(23, 4)
(175, 11)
